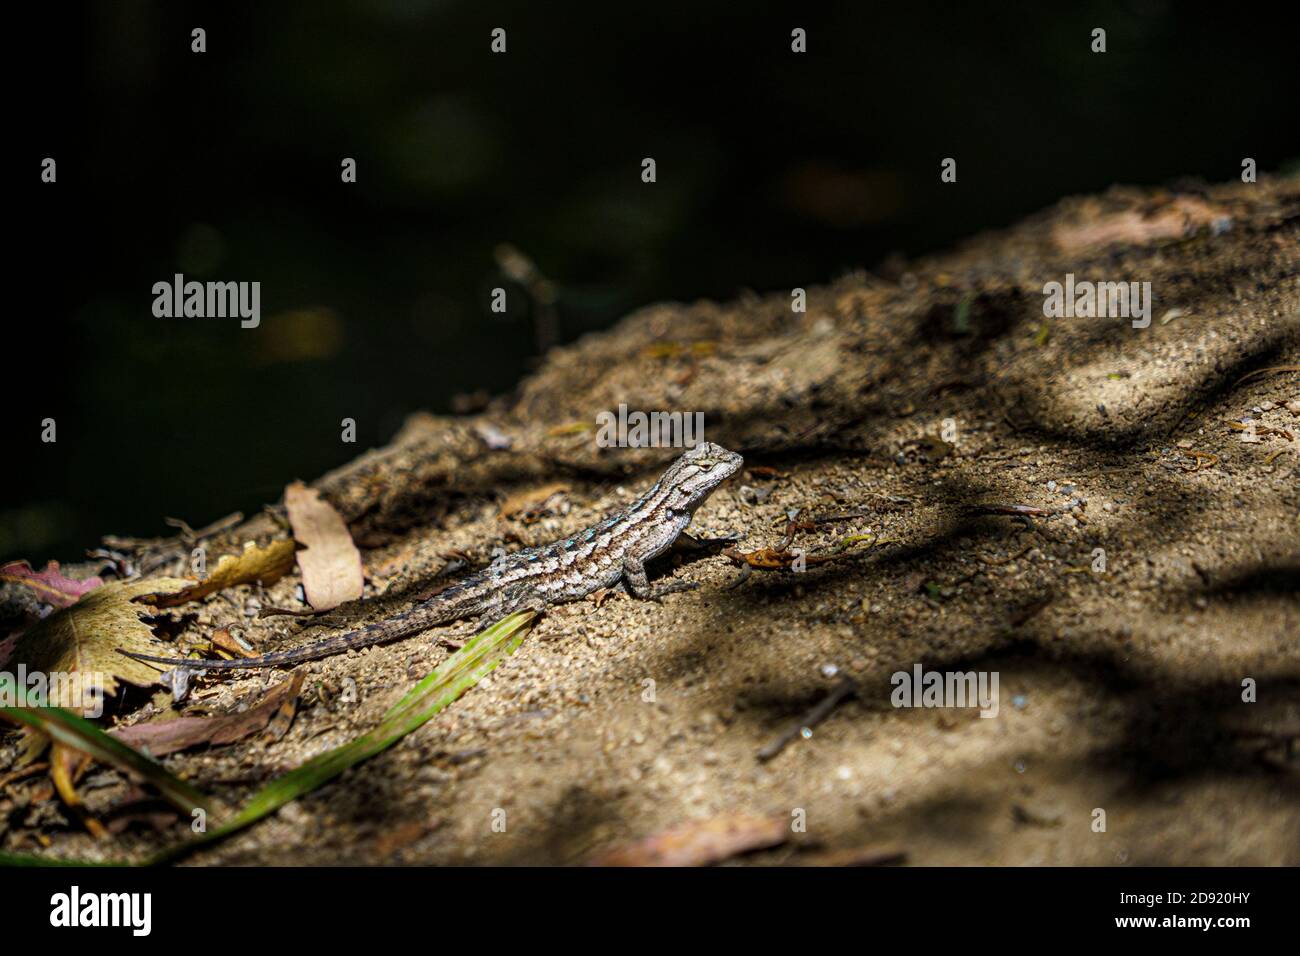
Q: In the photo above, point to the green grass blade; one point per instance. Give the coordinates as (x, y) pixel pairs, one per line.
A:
(435, 693)
(75, 731)
(490, 647)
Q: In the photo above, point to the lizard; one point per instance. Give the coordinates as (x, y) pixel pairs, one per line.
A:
(613, 550)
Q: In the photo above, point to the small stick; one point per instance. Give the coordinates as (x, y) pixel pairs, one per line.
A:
(844, 688)
(1008, 559)
(1266, 371)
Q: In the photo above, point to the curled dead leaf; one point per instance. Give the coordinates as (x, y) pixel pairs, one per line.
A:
(161, 737)
(780, 559)
(223, 640)
(254, 564)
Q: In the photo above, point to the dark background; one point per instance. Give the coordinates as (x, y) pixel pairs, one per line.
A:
(774, 170)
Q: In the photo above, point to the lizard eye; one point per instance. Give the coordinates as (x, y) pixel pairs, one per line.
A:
(704, 465)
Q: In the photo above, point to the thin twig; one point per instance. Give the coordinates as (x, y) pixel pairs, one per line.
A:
(845, 687)
(1266, 371)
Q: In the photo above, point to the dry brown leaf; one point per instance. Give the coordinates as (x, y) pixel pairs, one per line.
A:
(699, 843)
(773, 559)
(83, 640)
(263, 565)
(223, 640)
(332, 573)
(162, 737)
(76, 650)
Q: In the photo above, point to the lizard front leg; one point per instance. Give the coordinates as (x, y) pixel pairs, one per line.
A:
(638, 584)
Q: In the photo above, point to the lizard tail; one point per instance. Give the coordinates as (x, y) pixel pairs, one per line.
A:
(419, 618)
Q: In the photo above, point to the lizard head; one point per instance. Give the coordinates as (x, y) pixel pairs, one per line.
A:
(695, 475)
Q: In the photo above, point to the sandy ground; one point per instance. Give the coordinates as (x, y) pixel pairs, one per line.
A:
(901, 399)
